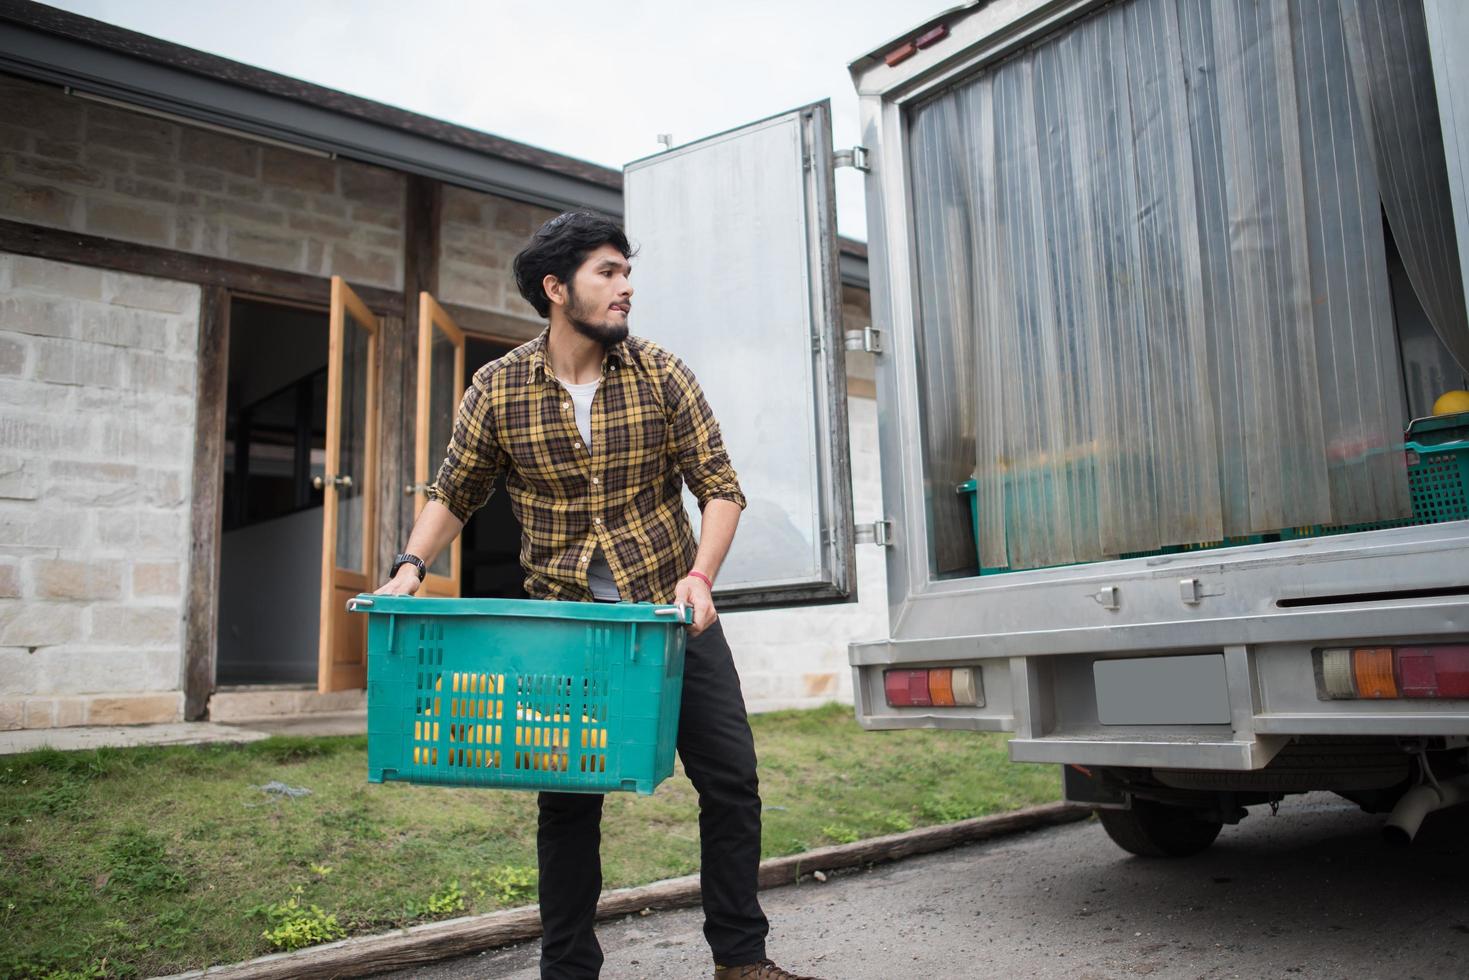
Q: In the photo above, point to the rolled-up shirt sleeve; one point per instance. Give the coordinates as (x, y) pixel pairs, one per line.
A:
(474, 460)
(698, 447)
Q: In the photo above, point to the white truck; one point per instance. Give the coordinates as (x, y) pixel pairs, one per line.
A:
(1157, 288)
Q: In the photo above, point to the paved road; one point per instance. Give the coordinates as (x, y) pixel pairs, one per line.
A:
(1309, 893)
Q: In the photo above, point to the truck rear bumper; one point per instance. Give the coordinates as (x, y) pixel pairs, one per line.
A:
(1266, 695)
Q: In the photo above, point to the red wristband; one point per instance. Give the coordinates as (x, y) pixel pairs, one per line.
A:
(694, 573)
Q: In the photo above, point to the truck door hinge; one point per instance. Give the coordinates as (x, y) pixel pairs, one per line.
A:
(856, 158)
(879, 533)
(867, 339)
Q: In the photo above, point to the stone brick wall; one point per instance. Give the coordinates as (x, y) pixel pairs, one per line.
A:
(97, 374)
(66, 162)
(480, 234)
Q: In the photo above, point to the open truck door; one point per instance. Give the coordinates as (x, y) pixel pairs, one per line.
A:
(736, 273)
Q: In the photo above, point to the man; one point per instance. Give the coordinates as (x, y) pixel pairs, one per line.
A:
(595, 431)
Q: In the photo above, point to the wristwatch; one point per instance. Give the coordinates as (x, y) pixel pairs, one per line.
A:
(413, 560)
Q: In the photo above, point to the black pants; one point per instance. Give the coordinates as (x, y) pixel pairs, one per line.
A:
(718, 753)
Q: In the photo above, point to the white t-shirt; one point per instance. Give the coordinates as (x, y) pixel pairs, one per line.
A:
(599, 573)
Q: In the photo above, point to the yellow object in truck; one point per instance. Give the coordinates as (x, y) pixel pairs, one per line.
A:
(1451, 403)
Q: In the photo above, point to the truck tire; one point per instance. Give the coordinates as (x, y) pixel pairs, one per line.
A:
(1152, 829)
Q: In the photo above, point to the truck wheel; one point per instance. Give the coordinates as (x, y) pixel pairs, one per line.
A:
(1152, 829)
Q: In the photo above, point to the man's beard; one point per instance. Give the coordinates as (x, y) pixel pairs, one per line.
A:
(604, 333)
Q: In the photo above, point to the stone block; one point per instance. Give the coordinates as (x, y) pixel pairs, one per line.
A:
(135, 626)
(18, 668)
(223, 208)
(318, 224)
(143, 142)
(87, 469)
(361, 265)
(19, 478)
(23, 525)
(59, 171)
(129, 222)
(145, 190)
(516, 219)
(12, 714)
(286, 198)
(120, 327)
(263, 248)
(161, 171)
(202, 148)
(38, 203)
(71, 712)
(39, 713)
(12, 356)
(463, 206)
(108, 160)
(374, 186)
(47, 111)
(389, 241)
(203, 180)
(70, 150)
(25, 434)
(145, 293)
(330, 206)
(14, 142)
(9, 584)
(245, 190)
(39, 624)
(73, 362)
(157, 374)
(299, 171)
(137, 709)
(40, 316)
(56, 278)
(158, 579)
(381, 217)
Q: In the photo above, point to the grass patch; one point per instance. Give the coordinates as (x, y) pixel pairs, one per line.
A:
(136, 862)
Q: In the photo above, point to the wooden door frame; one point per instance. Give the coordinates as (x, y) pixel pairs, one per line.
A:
(431, 317)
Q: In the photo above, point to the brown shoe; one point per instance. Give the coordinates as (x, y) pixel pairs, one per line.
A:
(764, 970)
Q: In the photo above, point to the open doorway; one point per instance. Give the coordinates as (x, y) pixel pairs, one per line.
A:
(490, 560)
(275, 443)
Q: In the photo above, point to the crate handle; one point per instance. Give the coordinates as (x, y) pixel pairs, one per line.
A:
(355, 603)
(672, 611)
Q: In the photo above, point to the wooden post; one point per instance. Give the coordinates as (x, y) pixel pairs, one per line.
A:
(201, 617)
(423, 220)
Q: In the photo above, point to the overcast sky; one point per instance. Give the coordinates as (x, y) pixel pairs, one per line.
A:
(596, 80)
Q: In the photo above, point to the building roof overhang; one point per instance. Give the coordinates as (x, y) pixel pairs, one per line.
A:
(99, 59)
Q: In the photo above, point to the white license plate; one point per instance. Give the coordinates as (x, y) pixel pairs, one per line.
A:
(1162, 691)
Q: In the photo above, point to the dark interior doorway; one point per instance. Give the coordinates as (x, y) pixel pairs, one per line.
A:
(490, 560)
(275, 442)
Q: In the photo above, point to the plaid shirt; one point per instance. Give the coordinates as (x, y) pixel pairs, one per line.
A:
(650, 426)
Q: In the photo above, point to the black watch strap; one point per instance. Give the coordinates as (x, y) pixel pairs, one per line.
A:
(413, 560)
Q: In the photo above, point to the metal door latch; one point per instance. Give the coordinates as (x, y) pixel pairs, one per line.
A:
(345, 482)
(1109, 597)
(879, 533)
(867, 339)
(856, 158)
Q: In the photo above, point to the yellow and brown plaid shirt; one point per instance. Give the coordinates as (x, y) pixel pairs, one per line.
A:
(652, 431)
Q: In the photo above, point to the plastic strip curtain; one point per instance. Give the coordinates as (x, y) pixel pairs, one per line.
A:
(1157, 235)
(1388, 42)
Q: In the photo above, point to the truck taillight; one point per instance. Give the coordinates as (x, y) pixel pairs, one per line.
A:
(937, 686)
(1372, 673)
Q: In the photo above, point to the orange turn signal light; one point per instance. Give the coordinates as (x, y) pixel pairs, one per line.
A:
(1374, 673)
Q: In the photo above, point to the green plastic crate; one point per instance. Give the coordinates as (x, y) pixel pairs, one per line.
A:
(576, 697)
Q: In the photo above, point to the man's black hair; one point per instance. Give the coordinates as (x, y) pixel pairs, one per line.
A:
(558, 248)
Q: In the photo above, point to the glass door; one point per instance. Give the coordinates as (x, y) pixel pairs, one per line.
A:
(348, 485)
(440, 370)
